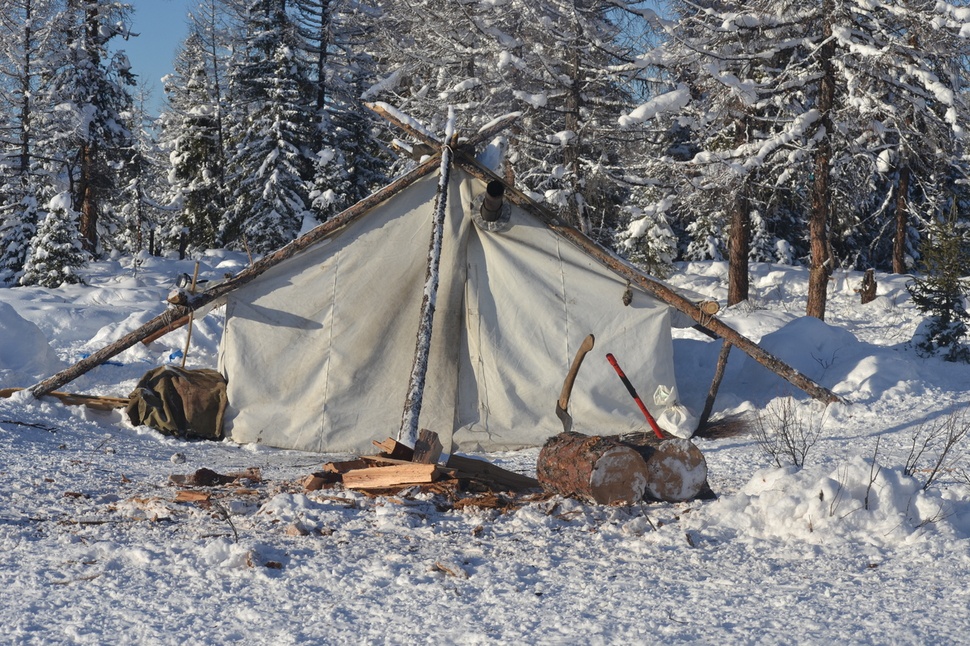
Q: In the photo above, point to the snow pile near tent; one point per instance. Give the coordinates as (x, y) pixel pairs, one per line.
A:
(25, 355)
(858, 501)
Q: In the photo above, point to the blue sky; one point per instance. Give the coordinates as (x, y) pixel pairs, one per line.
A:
(161, 26)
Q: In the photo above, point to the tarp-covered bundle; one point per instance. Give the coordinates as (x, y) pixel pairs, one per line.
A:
(318, 350)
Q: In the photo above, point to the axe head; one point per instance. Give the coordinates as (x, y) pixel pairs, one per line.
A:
(564, 417)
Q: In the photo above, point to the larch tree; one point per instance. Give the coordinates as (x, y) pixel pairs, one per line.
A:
(348, 159)
(553, 61)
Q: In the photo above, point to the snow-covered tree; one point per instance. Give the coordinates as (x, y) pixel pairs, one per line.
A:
(24, 31)
(56, 253)
(555, 61)
(348, 159)
(787, 103)
(942, 290)
(86, 93)
(139, 203)
(270, 165)
(18, 224)
(194, 132)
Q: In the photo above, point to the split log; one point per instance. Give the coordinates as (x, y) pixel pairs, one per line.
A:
(463, 467)
(397, 475)
(391, 448)
(676, 468)
(488, 474)
(428, 448)
(596, 469)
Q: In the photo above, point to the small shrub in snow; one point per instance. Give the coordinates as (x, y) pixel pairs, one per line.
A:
(934, 448)
(787, 431)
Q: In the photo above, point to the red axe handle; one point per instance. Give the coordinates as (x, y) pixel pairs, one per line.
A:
(636, 397)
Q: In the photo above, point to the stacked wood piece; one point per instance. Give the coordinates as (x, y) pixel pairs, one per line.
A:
(398, 466)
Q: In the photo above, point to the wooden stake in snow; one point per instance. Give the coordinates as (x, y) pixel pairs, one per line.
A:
(412, 405)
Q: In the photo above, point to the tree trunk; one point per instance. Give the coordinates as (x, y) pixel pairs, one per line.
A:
(739, 248)
(596, 469)
(867, 293)
(87, 198)
(902, 220)
(821, 263)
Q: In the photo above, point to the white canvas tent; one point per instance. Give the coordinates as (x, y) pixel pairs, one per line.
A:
(318, 349)
(320, 335)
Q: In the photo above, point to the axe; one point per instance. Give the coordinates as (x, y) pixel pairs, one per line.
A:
(567, 386)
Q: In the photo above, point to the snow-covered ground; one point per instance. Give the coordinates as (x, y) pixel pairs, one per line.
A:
(94, 549)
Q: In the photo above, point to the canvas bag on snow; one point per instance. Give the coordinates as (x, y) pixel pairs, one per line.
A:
(180, 402)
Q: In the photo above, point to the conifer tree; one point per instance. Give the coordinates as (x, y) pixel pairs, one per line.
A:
(87, 91)
(193, 134)
(18, 225)
(56, 253)
(789, 103)
(941, 291)
(270, 166)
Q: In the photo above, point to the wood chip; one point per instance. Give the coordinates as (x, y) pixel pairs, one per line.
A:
(188, 495)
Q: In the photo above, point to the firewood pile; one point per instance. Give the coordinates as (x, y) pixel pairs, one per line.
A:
(397, 467)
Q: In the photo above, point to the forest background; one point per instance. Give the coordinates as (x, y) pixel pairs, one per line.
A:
(829, 133)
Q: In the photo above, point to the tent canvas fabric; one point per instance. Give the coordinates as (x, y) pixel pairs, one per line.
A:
(318, 350)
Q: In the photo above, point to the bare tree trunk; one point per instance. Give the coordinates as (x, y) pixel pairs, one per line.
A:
(902, 220)
(87, 198)
(739, 243)
(739, 247)
(821, 264)
(571, 152)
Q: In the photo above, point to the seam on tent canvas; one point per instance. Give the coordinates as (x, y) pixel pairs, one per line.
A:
(333, 315)
(562, 294)
(475, 321)
(319, 430)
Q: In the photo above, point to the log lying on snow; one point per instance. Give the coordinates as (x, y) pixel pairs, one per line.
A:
(596, 469)
(97, 402)
(608, 470)
(676, 468)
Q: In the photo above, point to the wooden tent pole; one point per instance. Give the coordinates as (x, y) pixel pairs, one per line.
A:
(624, 269)
(180, 310)
(188, 336)
(412, 405)
(483, 135)
(722, 358)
